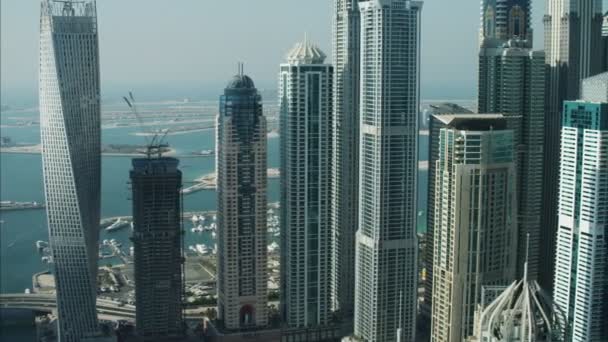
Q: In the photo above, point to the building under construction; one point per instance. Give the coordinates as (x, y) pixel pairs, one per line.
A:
(158, 247)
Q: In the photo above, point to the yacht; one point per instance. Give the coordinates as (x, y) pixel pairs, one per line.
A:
(117, 225)
(41, 244)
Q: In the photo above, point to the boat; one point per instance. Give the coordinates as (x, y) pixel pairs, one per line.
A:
(206, 153)
(27, 291)
(202, 249)
(117, 225)
(213, 234)
(198, 229)
(195, 218)
(47, 259)
(41, 244)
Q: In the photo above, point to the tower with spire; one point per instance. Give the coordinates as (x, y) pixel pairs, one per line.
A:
(305, 97)
(242, 204)
(522, 312)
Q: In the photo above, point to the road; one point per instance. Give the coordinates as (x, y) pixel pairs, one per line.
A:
(106, 309)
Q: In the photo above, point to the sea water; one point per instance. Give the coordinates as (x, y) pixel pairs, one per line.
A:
(21, 180)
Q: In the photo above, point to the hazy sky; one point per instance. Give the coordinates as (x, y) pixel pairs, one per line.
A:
(175, 43)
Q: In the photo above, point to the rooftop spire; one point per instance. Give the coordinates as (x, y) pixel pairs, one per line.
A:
(306, 53)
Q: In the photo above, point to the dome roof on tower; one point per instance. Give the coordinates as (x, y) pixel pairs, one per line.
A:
(241, 82)
(305, 53)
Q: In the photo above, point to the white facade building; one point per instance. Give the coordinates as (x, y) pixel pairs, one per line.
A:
(345, 165)
(475, 233)
(523, 312)
(581, 262)
(386, 247)
(71, 157)
(572, 53)
(305, 94)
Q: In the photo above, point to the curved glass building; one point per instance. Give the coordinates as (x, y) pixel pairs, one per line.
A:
(71, 157)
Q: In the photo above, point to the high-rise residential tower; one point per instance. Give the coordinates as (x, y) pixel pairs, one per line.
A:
(581, 262)
(305, 94)
(475, 219)
(345, 165)
(512, 82)
(435, 127)
(605, 43)
(386, 243)
(156, 184)
(70, 129)
(242, 205)
(572, 53)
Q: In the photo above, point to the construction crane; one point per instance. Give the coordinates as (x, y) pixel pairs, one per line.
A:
(157, 144)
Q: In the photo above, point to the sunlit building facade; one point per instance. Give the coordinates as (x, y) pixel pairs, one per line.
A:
(386, 257)
(242, 205)
(475, 219)
(305, 96)
(572, 53)
(581, 261)
(70, 129)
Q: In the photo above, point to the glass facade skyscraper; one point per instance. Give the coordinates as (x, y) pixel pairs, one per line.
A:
(305, 95)
(386, 243)
(242, 204)
(512, 82)
(70, 129)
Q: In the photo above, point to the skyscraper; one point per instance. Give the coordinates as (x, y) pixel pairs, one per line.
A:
(605, 43)
(572, 53)
(475, 219)
(345, 165)
(71, 157)
(305, 94)
(386, 242)
(581, 263)
(435, 127)
(502, 20)
(242, 205)
(522, 312)
(158, 247)
(512, 82)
